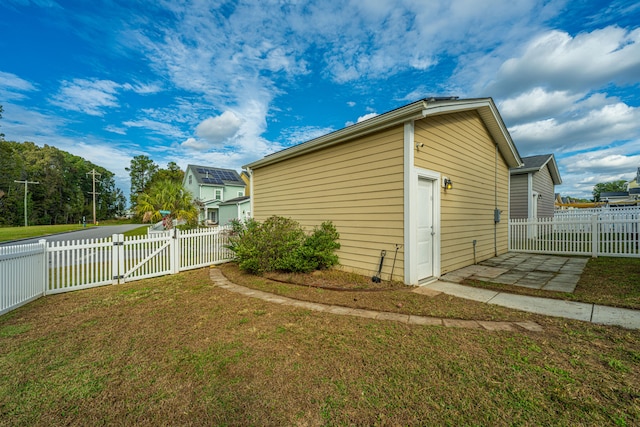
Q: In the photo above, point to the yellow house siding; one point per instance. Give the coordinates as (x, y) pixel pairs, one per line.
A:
(357, 184)
(459, 146)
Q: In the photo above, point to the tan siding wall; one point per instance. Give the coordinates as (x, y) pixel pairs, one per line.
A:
(459, 147)
(519, 198)
(358, 185)
(543, 184)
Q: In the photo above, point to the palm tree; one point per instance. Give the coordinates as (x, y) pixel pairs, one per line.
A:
(167, 195)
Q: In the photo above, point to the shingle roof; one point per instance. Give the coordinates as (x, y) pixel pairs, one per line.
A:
(536, 163)
(235, 200)
(216, 176)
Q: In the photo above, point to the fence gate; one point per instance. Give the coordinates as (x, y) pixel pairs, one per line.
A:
(142, 257)
(28, 272)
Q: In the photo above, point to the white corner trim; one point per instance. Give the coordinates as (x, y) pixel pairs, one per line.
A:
(410, 187)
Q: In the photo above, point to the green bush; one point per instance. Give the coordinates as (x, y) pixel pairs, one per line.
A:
(280, 244)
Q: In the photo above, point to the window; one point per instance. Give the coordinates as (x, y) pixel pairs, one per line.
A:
(217, 194)
(190, 177)
(240, 193)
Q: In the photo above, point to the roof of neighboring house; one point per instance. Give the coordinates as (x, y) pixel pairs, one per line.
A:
(216, 176)
(536, 164)
(485, 108)
(235, 201)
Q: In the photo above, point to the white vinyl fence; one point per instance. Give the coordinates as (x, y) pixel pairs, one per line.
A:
(596, 234)
(22, 273)
(30, 271)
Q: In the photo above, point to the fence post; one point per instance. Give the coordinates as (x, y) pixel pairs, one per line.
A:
(117, 257)
(595, 236)
(45, 266)
(174, 251)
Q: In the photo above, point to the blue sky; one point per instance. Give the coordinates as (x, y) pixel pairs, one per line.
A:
(224, 83)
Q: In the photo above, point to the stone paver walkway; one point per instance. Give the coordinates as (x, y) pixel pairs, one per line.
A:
(221, 281)
(547, 272)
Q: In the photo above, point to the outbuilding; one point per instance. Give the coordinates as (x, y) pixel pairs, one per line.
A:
(428, 183)
(532, 189)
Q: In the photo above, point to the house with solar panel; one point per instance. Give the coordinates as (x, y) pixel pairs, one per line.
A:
(219, 193)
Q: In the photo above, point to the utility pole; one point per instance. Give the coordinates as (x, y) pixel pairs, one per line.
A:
(26, 186)
(93, 173)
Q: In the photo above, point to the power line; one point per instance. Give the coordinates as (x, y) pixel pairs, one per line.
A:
(26, 186)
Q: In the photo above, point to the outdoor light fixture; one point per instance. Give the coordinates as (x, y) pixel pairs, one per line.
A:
(447, 184)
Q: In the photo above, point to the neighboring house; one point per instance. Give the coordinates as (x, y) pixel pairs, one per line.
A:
(631, 197)
(382, 184)
(210, 187)
(247, 182)
(532, 192)
(238, 208)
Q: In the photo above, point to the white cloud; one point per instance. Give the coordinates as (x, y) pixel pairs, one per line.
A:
(536, 104)
(87, 96)
(557, 61)
(582, 171)
(582, 130)
(366, 117)
(12, 87)
(95, 96)
(195, 144)
(217, 130)
(300, 134)
(143, 88)
(116, 129)
(162, 128)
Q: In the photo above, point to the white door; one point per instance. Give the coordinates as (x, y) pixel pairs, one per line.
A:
(533, 228)
(425, 234)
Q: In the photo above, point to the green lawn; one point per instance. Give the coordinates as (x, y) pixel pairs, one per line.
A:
(177, 350)
(14, 233)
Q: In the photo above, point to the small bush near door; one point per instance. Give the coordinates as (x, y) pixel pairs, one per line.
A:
(280, 244)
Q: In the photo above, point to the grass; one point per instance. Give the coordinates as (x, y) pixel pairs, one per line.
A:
(15, 233)
(605, 280)
(140, 231)
(177, 350)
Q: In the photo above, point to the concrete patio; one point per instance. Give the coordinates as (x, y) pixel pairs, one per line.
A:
(547, 272)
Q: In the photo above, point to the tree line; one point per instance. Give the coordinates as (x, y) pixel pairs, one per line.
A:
(63, 193)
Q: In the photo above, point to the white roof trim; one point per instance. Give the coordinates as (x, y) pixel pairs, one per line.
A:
(485, 106)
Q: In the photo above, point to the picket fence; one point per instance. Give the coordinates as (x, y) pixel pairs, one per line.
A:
(28, 272)
(603, 233)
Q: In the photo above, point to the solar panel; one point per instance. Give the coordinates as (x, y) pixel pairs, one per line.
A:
(216, 176)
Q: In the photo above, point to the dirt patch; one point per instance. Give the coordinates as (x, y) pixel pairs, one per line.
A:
(334, 280)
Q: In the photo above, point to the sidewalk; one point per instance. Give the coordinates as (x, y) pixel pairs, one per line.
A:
(593, 313)
(536, 271)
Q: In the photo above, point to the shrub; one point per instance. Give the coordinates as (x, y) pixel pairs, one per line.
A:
(280, 244)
